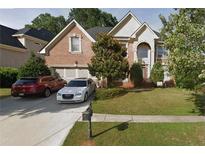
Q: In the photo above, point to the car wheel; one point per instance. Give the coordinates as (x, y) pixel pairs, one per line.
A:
(47, 92)
(86, 97)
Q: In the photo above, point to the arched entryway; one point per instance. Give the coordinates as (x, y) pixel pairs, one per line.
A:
(143, 57)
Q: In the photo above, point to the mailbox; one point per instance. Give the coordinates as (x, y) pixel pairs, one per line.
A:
(87, 117)
(87, 114)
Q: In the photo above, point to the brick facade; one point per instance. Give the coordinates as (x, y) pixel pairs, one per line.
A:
(60, 55)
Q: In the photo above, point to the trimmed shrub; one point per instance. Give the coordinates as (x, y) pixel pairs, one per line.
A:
(185, 82)
(102, 94)
(8, 76)
(170, 83)
(200, 88)
(34, 67)
(157, 73)
(136, 74)
(203, 89)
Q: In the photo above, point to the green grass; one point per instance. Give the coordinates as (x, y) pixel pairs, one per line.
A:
(5, 92)
(168, 101)
(126, 134)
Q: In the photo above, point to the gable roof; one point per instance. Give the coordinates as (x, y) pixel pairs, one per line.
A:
(41, 33)
(92, 33)
(6, 37)
(123, 19)
(156, 34)
(59, 35)
(97, 30)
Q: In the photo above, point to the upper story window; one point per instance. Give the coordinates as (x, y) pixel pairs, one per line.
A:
(75, 44)
(161, 52)
(142, 53)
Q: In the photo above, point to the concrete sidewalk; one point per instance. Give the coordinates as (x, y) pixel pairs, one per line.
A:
(145, 118)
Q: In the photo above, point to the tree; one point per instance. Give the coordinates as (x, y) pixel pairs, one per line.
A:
(184, 34)
(202, 75)
(157, 73)
(48, 22)
(108, 61)
(8, 76)
(34, 67)
(136, 74)
(92, 17)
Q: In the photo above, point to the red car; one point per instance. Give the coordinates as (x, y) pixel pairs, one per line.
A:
(43, 85)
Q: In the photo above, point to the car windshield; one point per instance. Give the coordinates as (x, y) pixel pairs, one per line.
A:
(26, 81)
(76, 84)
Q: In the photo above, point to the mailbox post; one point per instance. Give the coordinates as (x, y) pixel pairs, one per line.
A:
(87, 117)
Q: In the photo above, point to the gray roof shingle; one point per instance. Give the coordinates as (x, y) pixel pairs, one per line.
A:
(41, 33)
(157, 33)
(6, 37)
(93, 32)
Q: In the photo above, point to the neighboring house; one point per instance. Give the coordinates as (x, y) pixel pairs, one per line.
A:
(17, 45)
(71, 50)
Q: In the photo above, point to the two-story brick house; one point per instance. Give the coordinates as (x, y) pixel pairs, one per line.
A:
(71, 50)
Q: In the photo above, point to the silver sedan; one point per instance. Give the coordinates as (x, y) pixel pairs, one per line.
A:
(77, 90)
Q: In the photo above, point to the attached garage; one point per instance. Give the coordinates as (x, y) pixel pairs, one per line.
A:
(71, 73)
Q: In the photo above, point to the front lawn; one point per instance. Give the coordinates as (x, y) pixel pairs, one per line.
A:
(159, 101)
(126, 134)
(5, 92)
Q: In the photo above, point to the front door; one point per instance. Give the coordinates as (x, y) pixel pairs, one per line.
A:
(143, 56)
(145, 71)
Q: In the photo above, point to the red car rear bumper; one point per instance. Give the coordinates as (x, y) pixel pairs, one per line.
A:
(27, 92)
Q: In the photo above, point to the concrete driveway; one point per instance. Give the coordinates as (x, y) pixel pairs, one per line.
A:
(37, 121)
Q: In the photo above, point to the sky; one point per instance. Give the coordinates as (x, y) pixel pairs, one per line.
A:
(17, 18)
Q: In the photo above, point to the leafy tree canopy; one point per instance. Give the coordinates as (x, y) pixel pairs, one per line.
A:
(48, 22)
(92, 17)
(34, 67)
(109, 60)
(184, 35)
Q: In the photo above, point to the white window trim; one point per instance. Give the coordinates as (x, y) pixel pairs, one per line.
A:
(127, 50)
(80, 44)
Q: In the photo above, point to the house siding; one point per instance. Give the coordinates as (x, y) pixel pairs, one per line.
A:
(10, 58)
(127, 28)
(34, 46)
(13, 58)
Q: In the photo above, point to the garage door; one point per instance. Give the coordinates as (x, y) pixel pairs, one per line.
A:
(83, 73)
(70, 73)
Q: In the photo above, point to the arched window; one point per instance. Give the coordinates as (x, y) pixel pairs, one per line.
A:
(143, 50)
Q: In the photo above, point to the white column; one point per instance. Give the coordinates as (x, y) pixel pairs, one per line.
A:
(64, 73)
(149, 62)
(76, 73)
(135, 56)
(152, 57)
